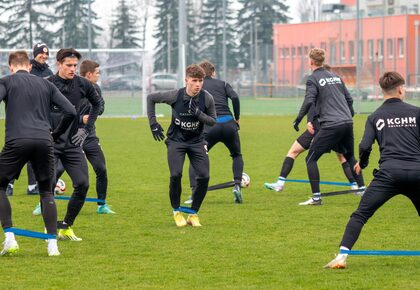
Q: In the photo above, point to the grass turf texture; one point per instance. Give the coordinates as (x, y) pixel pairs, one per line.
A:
(268, 242)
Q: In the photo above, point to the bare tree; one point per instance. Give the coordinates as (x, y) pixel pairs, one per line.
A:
(143, 17)
(309, 10)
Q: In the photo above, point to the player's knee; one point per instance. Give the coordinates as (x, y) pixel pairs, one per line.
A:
(82, 184)
(100, 170)
(235, 155)
(45, 186)
(202, 180)
(361, 216)
(341, 158)
(176, 175)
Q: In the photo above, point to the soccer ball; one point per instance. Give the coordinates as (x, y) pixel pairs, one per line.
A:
(245, 180)
(60, 187)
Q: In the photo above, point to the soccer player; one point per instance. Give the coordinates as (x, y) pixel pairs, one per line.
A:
(192, 108)
(334, 111)
(226, 128)
(302, 143)
(68, 148)
(395, 126)
(29, 138)
(91, 147)
(39, 68)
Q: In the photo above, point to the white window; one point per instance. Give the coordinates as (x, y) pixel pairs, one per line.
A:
(351, 51)
(390, 48)
(342, 51)
(370, 49)
(380, 47)
(400, 47)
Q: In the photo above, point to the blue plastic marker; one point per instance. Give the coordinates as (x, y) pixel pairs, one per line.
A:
(88, 199)
(30, 234)
(186, 210)
(321, 182)
(380, 253)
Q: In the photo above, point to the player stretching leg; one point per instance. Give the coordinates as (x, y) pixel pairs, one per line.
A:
(395, 125)
(28, 101)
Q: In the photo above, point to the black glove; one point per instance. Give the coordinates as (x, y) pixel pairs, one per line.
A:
(296, 125)
(157, 132)
(79, 137)
(55, 137)
(194, 108)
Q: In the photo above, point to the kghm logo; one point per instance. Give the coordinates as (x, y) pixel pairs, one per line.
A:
(189, 126)
(380, 124)
(401, 122)
(396, 122)
(329, 81)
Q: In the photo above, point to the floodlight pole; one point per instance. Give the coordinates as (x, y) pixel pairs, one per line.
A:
(358, 55)
(224, 41)
(169, 43)
(90, 29)
(416, 33)
(182, 40)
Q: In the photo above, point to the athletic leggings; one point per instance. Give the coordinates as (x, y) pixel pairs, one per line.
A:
(197, 153)
(386, 184)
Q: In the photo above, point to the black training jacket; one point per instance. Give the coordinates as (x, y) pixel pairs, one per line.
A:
(85, 108)
(395, 126)
(75, 90)
(40, 70)
(333, 103)
(221, 92)
(28, 101)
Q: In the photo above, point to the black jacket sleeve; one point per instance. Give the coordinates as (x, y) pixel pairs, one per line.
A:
(168, 97)
(365, 146)
(93, 97)
(349, 99)
(310, 99)
(68, 110)
(230, 92)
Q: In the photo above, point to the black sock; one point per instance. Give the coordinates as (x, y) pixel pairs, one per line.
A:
(348, 172)
(5, 210)
(49, 212)
(200, 192)
(287, 166)
(175, 190)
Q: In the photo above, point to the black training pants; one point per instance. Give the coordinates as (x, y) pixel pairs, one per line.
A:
(227, 133)
(15, 154)
(386, 184)
(96, 158)
(328, 139)
(74, 162)
(197, 153)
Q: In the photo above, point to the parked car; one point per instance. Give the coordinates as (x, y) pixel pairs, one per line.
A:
(164, 81)
(122, 82)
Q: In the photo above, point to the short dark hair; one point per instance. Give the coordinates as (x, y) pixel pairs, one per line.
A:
(88, 66)
(390, 80)
(67, 52)
(195, 71)
(19, 57)
(208, 67)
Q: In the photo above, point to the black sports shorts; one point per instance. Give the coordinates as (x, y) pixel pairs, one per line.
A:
(16, 153)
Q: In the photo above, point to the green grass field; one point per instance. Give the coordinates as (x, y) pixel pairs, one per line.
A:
(268, 242)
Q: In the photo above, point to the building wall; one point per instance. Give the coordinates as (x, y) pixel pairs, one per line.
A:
(394, 33)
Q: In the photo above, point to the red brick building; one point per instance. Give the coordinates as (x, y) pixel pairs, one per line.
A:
(387, 43)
